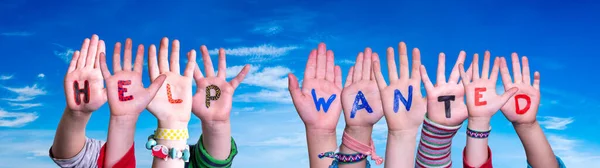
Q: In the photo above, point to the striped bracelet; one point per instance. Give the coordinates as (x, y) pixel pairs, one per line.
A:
(478, 134)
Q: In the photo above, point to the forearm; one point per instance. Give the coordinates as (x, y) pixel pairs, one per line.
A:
(177, 144)
(476, 150)
(320, 141)
(70, 134)
(400, 149)
(216, 139)
(121, 131)
(538, 150)
(362, 135)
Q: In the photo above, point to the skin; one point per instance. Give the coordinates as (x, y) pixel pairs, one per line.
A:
(216, 125)
(538, 150)
(403, 125)
(361, 78)
(124, 114)
(325, 77)
(171, 115)
(70, 134)
(480, 115)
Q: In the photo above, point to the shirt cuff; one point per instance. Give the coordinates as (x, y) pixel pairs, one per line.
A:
(127, 161)
(561, 164)
(487, 164)
(202, 157)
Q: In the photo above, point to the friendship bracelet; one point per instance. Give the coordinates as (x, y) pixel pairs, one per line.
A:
(171, 134)
(478, 134)
(163, 152)
(355, 145)
(340, 158)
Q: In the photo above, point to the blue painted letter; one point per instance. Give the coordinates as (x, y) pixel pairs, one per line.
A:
(399, 96)
(364, 105)
(321, 101)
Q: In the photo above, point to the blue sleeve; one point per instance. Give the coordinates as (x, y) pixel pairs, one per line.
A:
(560, 163)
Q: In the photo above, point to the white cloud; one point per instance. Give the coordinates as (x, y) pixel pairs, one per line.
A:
(574, 153)
(26, 93)
(16, 119)
(41, 75)
(556, 123)
(18, 33)
(65, 53)
(268, 29)
(23, 106)
(346, 62)
(259, 53)
(268, 77)
(280, 96)
(6, 77)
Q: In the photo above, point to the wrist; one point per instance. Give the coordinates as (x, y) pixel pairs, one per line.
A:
(403, 134)
(360, 133)
(320, 131)
(216, 127)
(77, 114)
(124, 119)
(172, 124)
(479, 123)
(526, 126)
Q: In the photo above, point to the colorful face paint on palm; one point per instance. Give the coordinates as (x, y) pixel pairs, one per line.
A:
(398, 96)
(365, 105)
(322, 102)
(208, 94)
(478, 97)
(85, 91)
(524, 110)
(446, 100)
(170, 96)
(122, 90)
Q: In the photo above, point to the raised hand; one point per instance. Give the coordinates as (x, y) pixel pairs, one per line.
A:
(84, 86)
(173, 102)
(403, 104)
(445, 100)
(126, 93)
(360, 97)
(318, 102)
(523, 107)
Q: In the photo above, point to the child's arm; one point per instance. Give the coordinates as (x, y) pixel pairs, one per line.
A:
(522, 109)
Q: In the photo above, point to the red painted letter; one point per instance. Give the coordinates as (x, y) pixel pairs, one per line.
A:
(527, 98)
(171, 100)
(122, 90)
(85, 91)
(478, 96)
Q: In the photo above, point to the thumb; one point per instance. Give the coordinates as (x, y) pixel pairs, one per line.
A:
(293, 86)
(508, 94)
(156, 84)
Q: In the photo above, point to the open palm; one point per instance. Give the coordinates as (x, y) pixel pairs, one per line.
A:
(84, 68)
(525, 114)
(397, 116)
(324, 79)
(360, 80)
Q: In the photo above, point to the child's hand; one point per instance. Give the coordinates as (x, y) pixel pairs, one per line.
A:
(403, 104)
(318, 102)
(528, 96)
(173, 102)
(84, 86)
(126, 93)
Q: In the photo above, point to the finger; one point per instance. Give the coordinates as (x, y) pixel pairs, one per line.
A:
(155, 85)
(416, 63)
(222, 64)
(73, 63)
(175, 57)
(378, 76)
(391, 62)
(463, 75)
(103, 67)
(235, 82)
(208, 66)
(516, 68)
(375, 58)
(504, 73)
(127, 55)
(139, 59)
(366, 69)
(117, 58)
(293, 86)
(441, 71)
(475, 67)
(469, 73)
(82, 55)
(494, 74)
(536, 80)
(338, 76)
(163, 56)
(311, 65)
(454, 75)
(101, 49)
(508, 94)
(197, 73)
(526, 73)
(485, 72)
(191, 64)
(425, 78)
(330, 74)
(92, 51)
(349, 77)
(152, 63)
(321, 61)
(404, 73)
(357, 74)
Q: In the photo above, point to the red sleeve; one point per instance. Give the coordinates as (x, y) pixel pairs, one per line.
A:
(127, 161)
(487, 164)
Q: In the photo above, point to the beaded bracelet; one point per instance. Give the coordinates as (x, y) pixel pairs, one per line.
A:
(163, 152)
(478, 134)
(341, 158)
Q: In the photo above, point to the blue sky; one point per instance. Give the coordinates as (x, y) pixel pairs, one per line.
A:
(38, 37)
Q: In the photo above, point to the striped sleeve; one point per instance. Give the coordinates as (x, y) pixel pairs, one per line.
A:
(435, 144)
